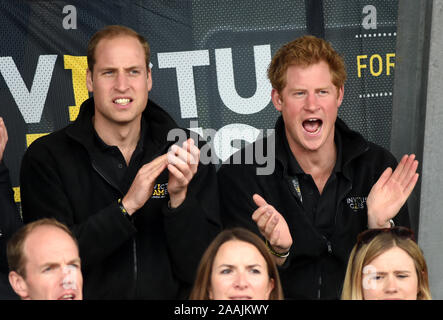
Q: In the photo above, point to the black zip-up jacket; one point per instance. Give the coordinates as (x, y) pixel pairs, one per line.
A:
(10, 222)
(317, 264)
(153, 255)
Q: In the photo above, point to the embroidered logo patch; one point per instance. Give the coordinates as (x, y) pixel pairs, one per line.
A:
(160, 191)
(356, 203)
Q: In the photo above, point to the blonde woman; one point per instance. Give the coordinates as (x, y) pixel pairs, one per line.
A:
(386, 264)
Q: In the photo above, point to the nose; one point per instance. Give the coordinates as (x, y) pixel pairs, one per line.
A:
(391, 285)
(311, 101)
(68, 278)
(241, 281)
(121, 82)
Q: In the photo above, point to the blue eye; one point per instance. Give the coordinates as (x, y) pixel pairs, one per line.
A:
(226, 271)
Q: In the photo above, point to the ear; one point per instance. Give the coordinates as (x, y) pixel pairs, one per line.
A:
(18, 284)
(276, 99)
(341, 93)
(89, 80)
(149, 79)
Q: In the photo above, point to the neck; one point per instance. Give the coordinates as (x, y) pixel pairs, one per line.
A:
(124, 136)
(318, 163)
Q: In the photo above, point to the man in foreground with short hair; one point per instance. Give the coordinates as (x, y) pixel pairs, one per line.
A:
(44, 262)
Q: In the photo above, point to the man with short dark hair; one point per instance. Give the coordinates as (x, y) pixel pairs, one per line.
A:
(143, 215)
(329, 183)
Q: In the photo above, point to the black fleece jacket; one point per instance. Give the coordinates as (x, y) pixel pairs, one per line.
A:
(10, 222)
(155, 254)
(316, 265)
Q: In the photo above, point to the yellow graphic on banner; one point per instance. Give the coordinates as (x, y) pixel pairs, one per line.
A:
(78, 65)
(375, 64)
(31, 137)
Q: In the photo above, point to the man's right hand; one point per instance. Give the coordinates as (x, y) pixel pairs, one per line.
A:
(3, 137)
(272, 226)
(143, 184)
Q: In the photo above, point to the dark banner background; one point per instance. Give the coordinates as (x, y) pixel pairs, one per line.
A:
(209, 61)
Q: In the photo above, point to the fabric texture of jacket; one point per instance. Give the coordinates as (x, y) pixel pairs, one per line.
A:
(316, 265)
(10, 222)
(152, 255)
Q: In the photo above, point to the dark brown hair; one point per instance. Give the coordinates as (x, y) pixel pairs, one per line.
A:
(202, 283)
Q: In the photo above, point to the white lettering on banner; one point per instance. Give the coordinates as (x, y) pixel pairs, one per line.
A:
(226, 83)
(184, 63)
(370, 21)
(30, 103)
(70, 21)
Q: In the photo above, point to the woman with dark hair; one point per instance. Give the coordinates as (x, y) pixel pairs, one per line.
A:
(237, 265)
(386, 264)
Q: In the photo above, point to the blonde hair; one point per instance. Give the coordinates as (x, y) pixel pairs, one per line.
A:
(364, 253)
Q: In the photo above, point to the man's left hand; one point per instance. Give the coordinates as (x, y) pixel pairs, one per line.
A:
(183, 164)
(391, 191)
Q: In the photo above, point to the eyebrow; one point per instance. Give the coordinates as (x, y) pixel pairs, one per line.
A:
(396, 271)
(116, 68)
(52, 264)
(232, 266)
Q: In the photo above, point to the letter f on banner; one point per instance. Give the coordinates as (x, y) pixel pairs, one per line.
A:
(30, 103)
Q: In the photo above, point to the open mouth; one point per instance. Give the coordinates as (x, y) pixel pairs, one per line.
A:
(67, 297)
(312, 125)
(122, 101)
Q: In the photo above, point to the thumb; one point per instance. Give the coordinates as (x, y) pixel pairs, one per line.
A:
(259, 201)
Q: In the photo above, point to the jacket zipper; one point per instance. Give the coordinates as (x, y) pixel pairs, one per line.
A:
(134, 244)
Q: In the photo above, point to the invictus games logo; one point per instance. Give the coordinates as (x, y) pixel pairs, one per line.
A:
(356, 203)
(160, 191)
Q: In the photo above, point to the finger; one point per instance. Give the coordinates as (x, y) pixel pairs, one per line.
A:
(273, 239)
(263, 220)
(406, 168)
(180, 165)
(271, 225)
(181, 178)
(156, 165)
(384, 177)
(195, 152)
(400, 168)
(256, 215)
(182, 153)
(409, 174)
(259, 201)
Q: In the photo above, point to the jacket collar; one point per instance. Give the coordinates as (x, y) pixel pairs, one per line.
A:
(159, 123)
(352, 144)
